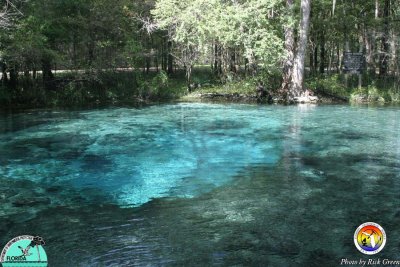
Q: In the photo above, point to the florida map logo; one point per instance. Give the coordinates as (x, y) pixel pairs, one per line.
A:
(369, 238)
(24, 251)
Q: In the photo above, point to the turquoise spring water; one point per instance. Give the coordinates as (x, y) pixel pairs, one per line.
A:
(201, 184)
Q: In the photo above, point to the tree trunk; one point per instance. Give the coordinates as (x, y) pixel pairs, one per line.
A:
(369, 49)
(46, 72)
(188, 70)
(333, 7)
(322, 54)
(311, 55)
(74, 44)
(215, 59)
(232, 61)
(313, 51)
(170, 59)
(384, 58)
(253, 68)
(330, 60)
(289, 47)
(315, 63)
(147, 65)
(338, 61)
(346, 47)
(13, 78)
(296, 88)
(219, 60)
(374, 42)
(164, 54)
(91, 47)
(4, 78)
(393, 51)
(360, 50)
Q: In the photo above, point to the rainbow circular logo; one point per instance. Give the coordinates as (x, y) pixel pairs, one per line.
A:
(370, 238)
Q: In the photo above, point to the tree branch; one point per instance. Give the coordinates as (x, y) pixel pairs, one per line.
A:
(8, 12)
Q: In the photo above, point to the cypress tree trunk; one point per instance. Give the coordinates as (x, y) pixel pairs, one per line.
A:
(296, 88)
(289, 47)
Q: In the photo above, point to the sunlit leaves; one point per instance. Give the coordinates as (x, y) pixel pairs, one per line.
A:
(249, 25)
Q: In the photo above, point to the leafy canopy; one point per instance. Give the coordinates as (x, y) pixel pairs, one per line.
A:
(254, 26)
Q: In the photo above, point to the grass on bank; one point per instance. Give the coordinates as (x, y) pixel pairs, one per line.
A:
(233, 84)
(374, 89)
(77, 89)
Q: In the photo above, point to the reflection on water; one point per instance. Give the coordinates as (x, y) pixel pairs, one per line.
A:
(201, 184)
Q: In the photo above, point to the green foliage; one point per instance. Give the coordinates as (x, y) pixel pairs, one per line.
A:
(372, 92)
(5, 96)
(246, 25)
(394, 94)
(160, 81)
(159, 87)
(242, 88)
(332, 85)
(132, 52)
(71, 33)
(247, 86)
(103, 87)
(241, 40)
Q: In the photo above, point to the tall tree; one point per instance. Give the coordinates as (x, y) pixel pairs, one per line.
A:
(296, 88)
(289, 48)
(230, 29)
(295, 47)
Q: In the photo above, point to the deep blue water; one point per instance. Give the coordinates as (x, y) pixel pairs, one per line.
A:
(201, 184)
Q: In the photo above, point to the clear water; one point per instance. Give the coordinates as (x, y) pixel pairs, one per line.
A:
(195, 184)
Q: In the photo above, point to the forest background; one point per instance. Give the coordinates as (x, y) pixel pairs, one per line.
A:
(74, 52)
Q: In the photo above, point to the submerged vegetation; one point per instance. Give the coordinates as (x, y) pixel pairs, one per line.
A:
(74, 52)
